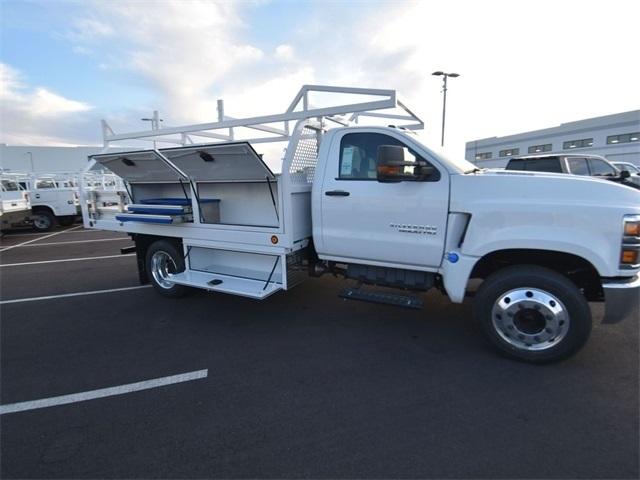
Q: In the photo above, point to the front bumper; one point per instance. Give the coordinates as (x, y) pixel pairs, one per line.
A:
(622, 299)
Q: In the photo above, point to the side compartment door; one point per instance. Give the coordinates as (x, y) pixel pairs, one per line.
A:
(366, 221)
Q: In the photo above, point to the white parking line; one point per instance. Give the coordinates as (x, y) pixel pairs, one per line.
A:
(103, 392)
(77, 294)
(76, 241)
(64, 260)
(39, 238)
(8, 236)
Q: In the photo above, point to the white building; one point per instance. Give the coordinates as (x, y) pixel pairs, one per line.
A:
(616, 137)
(45, 159)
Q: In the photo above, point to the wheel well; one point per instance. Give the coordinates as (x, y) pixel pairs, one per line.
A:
(42, 208)
(580, 271)
(143, 242)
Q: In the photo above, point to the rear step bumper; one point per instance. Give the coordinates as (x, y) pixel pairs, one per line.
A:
(398, 300)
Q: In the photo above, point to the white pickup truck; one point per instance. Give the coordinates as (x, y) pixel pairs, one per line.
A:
(374, 204)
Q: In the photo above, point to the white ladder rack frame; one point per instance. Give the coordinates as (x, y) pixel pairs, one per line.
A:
(299, 109)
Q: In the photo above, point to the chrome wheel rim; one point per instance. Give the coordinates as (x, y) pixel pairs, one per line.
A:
(41, 222)
(162, 266)
(530, 319)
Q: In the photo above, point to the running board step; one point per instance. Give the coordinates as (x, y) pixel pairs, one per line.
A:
(398, 300)
(215, 282)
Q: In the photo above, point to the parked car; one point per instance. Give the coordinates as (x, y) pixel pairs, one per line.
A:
(634, 170)
(574, 164)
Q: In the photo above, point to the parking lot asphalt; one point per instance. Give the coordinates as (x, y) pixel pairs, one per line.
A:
(303, 384)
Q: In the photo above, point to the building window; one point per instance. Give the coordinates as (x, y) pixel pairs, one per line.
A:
(623, 138)
(540, 148)
(483, 156)
(585, 142)
(510, 152)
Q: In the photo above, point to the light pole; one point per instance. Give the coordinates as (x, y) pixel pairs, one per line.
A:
(155, 123)
(444, 96)
(31, 160)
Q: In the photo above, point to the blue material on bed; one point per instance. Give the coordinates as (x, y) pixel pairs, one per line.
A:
(144, 219)
(175, 201)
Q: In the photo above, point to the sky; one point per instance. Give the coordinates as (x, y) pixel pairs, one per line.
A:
(523, 64)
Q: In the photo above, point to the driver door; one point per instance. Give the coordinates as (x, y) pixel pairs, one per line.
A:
(393, 224)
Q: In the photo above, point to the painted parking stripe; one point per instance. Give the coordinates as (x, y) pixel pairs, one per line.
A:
(103, 392)
(65, 260)
(39, 238)
(8, 236)
(76, 294)
(77, 241)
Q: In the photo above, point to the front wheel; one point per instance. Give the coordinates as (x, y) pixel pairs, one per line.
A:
(162, 260)
(533, 314)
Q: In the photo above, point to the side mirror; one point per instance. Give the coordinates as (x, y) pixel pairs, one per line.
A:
(624, 174)
(391, 166)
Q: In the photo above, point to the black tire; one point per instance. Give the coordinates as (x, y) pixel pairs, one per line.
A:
(43, 220)
(556, 330)
(168, 251)
(66, 221)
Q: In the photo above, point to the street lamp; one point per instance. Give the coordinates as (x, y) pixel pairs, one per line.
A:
(444, 76)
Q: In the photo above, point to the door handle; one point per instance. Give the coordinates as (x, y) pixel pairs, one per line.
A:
(337, 193)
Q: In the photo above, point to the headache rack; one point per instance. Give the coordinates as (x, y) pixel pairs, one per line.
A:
(244, 229)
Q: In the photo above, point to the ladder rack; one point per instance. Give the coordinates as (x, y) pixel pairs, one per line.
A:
(275, 128)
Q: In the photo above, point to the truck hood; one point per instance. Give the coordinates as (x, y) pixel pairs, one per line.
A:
(547, 186)
(544, 211)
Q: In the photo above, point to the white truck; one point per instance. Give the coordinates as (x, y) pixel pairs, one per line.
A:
(15, 208)
(374, 204)
(54, 200)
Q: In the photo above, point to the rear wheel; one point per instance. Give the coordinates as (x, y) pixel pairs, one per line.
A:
(533, 314)
(162, 260)
(43, 220)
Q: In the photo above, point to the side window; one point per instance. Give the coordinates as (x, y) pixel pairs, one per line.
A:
(578, 166)
(544, 165)
(517, 164)
(600, 168)
(359, 153)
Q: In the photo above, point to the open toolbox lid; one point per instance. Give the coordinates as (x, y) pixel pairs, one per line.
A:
(144, 166)
(220, 163)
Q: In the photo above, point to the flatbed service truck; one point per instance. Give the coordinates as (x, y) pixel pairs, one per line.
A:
(372, 203)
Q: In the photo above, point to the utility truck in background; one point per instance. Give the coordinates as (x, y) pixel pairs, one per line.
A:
(373, 204)
(15, 207)
(54, 199)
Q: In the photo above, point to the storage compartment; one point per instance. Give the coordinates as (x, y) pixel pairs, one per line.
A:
(254, 266)
(246, 203)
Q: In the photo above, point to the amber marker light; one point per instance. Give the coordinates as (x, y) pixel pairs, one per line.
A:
(629, 257)
(632, 229)
(274, 239)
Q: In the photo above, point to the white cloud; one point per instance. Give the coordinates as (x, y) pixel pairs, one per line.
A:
(35, 116)
(284, 52)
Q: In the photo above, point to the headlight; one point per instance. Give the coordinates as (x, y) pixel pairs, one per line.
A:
(630, 254)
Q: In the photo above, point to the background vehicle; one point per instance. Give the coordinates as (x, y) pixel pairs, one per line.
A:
(54, 200)
(575, 164)
(634, 171)
(375, 205)
(15, 209)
